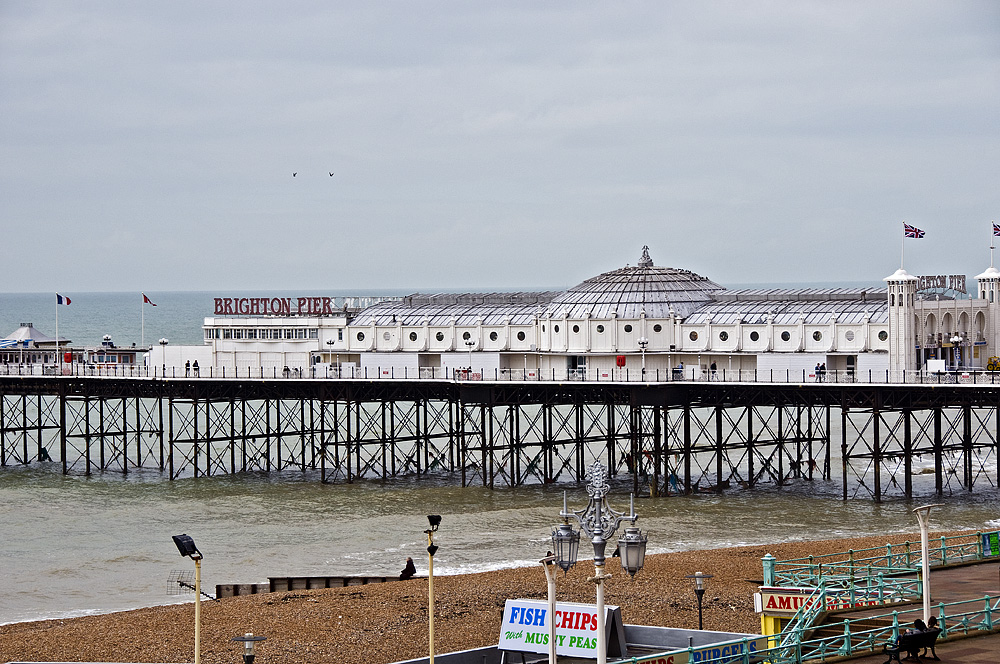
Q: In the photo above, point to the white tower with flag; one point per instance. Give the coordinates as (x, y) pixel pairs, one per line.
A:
(902, 344)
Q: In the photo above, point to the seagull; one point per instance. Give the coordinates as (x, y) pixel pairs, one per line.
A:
(294, 174)
(331, 174)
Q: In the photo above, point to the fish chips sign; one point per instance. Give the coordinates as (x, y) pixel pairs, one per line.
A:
(525, 628)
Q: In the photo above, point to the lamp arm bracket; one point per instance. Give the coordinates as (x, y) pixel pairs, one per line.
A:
(598, 578)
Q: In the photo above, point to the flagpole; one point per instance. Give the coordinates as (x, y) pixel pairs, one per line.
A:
(902, 243)
(142, 317)
(57, 328)
(992, 241)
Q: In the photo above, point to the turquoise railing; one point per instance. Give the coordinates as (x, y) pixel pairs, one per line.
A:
(953, 618)
(901, 558)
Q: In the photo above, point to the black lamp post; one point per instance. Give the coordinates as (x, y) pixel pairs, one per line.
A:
(700, 581)
(248, 640)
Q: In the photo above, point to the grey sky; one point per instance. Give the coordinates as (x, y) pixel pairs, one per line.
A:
(151, 145)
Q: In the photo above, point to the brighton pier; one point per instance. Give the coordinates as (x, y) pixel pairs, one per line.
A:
(672, 438)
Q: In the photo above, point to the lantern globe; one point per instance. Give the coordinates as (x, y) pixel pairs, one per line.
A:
(566, 543)
(632, 549)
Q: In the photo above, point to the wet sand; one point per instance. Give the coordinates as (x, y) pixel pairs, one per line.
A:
(387, 622)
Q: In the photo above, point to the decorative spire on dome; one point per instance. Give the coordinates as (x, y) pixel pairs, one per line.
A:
(645, 261)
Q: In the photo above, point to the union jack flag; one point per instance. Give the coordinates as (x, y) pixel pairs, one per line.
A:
(996, 229)
(913, 231)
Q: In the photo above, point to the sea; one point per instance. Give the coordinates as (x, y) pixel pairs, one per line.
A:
(74, 545)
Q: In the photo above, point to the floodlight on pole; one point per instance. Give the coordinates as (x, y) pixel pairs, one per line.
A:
(434, 520)
(187, 548)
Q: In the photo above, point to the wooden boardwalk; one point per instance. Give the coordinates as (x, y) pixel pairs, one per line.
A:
(948, 585)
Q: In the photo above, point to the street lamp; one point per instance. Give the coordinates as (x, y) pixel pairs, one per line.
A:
(434, 520)
(956, 341)
(186, 546)
(599, 522)
(470, 343)
(700, 581)
(163, 354)
(923, 516)
(329, 345)
(643, 342)
(248, 640)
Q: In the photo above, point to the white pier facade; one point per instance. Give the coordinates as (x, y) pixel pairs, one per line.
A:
(642, 322)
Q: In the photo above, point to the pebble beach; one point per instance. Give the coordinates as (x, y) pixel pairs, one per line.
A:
(387, 622)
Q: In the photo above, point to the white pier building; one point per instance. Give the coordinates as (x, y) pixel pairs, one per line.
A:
(634, 323)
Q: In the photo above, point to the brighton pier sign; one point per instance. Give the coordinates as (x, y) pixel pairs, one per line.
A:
(955, 282)
(276, 306)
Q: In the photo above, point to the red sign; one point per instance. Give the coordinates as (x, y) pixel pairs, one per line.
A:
(620, 360)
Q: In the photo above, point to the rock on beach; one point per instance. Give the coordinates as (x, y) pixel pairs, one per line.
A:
(387, 622)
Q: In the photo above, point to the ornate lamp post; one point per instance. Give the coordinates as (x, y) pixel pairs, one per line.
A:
(956, 341)
(700, 581)
(599, 522)
(643, 342)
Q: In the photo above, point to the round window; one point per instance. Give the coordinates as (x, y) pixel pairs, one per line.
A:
(628, 328)
(883, 335)
(785, 336)
(657, 328)
(600, 329)
(754, 336)
(386, 336)
(693, 336)
(817, 335)
(723, 336)
(520, 336)
(849, 335)
(466, 336)
(413, 336)
(493, 336)
(576, 329)
(555, 328)
(439, 336)
(361, 336)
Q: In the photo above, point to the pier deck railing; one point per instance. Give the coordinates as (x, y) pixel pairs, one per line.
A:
(891, 559)
(623, 375)
(857, 638)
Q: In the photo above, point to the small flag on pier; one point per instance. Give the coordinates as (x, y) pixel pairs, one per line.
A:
(146, 300)
(912, 231)
(996, 229)
(62, 300)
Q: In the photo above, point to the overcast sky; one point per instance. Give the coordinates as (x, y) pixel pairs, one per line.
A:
(151, 145)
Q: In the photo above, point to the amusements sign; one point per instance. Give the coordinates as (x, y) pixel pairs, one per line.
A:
(525, 628)
(781, 601)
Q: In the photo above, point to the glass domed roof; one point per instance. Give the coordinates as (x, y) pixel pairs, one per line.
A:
(628, 291)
